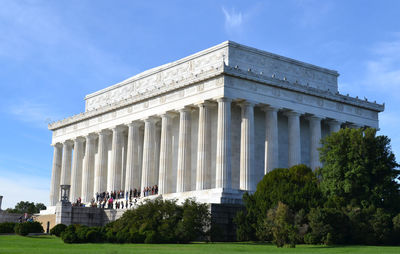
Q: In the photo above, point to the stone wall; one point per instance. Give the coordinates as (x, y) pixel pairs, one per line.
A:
(221, 218)
(222, 215)
(9, 217)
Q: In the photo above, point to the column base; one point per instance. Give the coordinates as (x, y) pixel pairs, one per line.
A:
(210, 196)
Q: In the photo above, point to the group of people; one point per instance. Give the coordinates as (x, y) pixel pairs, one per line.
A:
(147, 191)
(110, 200)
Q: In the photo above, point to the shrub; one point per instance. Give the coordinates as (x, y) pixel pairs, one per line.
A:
(159, 221)
(95, 235)
(28, 227)
(297, 187)
(280, 224)
(7, 227)
(328, 226)
(69, 235)
(58, 229)
(81, 232)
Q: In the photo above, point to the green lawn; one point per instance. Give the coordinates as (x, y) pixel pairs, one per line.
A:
(48, 244)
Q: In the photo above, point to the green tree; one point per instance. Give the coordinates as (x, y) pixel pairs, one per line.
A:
(296, 187)
(359, 169)
(27, 207)
(279, 223)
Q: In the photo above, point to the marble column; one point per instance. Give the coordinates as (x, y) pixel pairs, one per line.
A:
(247, 147)
(100, 174)
(223, 157)
(203, 169)
(334, 125)
(114, 173)
(184, 163)
(66, 163)
(271, 139)
(133, 166)
(55, 174)
(148, 152)
(315, 141)
(156, 164)
(76, 173)
(165, 153)
(88, 169)
(294, 138)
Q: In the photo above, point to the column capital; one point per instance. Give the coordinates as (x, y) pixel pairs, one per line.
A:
(315, 117)
(169, 114)
(68, 142)
(205, 103)
(150, 119)
(293, 113)
(57, 144)
(334, 122)
(354, 125)
(79, 139)
(135, 123)
(91, 136)
(246, 103)
(185, 109)
(104, 132)
(223, 99)
(268, 108)
(118, 128)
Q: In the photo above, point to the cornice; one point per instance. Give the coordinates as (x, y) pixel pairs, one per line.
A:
(221, 70)
(294, 86)
(137, 98)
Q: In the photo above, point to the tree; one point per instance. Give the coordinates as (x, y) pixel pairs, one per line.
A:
(296, 187)
(279, 223)
(360, 169)
(27, 207)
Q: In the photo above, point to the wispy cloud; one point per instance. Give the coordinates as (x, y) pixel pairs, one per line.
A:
(33, 30)
(382, 78)
(233, 19)
(311, 12)
(36, 113)
(383, 70)
(18, 187)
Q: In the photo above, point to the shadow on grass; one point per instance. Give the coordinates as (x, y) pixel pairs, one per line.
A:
(46, 237)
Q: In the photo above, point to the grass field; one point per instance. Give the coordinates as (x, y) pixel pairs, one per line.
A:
(10, 244)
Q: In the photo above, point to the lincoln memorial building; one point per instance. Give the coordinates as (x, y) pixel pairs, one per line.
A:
(207, 126)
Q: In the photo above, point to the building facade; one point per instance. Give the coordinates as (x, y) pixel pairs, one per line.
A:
(207, 126)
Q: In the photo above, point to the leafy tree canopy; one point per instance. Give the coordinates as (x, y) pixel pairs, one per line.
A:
(359, 169)
(27, 207)
(296, 187)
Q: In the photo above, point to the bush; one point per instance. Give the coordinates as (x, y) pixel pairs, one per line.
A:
(95, 235)
(328, 226)
(28, 227)
(69, 235)
(159, 221)
(297, 187)
(7, 227)
(280, 225)
(58, 229)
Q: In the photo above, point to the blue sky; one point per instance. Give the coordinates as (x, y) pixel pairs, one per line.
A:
(53, 53)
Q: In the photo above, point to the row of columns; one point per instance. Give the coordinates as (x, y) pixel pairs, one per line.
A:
(143, 160)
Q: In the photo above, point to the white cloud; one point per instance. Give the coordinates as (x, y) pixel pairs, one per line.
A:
(38, 114)
(382, 78)
(310, 13)
(36, 31)
(22, 187)
(233, 20)
(383, 70)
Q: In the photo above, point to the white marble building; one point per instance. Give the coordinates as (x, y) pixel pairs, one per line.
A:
(208, 126)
